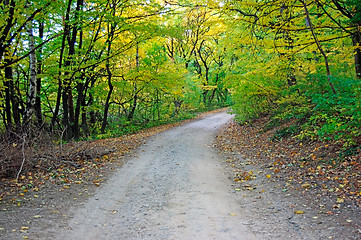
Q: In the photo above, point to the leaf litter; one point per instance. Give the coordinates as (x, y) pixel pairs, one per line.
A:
(305, 181)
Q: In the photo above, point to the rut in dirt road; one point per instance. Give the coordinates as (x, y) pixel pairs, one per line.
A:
(175, 188)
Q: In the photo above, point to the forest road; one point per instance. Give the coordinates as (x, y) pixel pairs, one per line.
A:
(176, 187)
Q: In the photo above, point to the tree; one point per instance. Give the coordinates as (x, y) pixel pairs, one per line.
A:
(281, 56)
(17, 20)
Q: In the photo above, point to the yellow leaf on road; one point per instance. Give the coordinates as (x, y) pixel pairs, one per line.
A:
(306, 185)
(340, 200)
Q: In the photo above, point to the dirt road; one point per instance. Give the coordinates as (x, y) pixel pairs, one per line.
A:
(175, 188)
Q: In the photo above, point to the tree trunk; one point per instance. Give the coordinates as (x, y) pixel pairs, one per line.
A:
(106, 107)
(13, 97)
(68, 104)
(356, 40)
(214, 90)
(204, 96)
(309, 23)
(134, 105)
(76, 127)
(177, 106)
(38, 111)
(8, 79)
(32, 79)
(111, 30)
(71, 60)
(60, 75)
(135, 98)
(58, 102)
(66, 124)
(93, 118)
(5, 30)
(84, 123)
(206, 67)
(80, 85)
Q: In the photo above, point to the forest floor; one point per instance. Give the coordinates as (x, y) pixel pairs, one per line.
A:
(294, 183)
(200, 180)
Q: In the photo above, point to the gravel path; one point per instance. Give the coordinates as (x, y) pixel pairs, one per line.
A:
(176, 188)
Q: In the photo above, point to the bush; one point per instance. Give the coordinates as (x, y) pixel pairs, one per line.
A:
(324, 115)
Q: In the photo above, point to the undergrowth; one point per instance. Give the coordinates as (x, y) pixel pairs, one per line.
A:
(319, 114)
(310, 111)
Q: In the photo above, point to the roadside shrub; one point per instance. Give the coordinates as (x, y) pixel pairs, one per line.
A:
(324, 115)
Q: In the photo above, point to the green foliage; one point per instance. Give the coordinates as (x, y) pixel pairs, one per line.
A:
(155, 55)
(252, 96)
(286, 132)
(111, 64)
(322, 114)
(276, 67)
(354, 6)
(334, 116)
(119, 127)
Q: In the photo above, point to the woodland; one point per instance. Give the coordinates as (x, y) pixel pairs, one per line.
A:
(92, 69)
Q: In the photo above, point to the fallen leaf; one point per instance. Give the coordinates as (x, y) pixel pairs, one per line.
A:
(299, 212)
(340, 200)
(306, 185)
